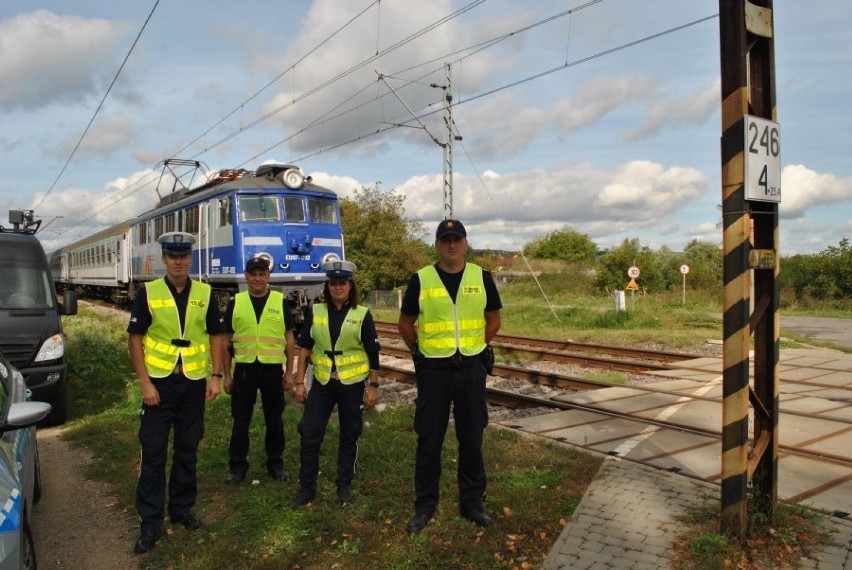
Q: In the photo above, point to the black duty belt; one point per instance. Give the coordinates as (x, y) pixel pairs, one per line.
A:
(457, 360)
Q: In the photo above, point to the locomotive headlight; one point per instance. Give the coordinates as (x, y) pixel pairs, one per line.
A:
(293, 178)
(330, 258)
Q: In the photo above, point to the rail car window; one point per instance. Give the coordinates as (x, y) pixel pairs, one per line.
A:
(259, 208)
(224, 212)
(191, 221)
(142, 233)
(294, 209)
(158, 228)
(322, 211)
(170, 222)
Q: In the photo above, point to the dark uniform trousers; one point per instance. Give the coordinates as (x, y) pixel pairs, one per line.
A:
(182, 406)
(349, 399)
(438, 386)
(248, 380)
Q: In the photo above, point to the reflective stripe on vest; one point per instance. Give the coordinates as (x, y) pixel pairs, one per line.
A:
(444, 327)
(352, 365)
(265, 340)
(161, 356)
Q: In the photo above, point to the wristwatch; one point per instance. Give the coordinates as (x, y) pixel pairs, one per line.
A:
(217, 374)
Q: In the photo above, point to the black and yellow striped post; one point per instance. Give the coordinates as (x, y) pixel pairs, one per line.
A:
(747, 88)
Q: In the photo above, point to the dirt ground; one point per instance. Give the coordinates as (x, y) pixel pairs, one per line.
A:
(76, 524)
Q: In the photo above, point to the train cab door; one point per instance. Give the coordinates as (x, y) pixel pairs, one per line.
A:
(217, 236)
(204, 241)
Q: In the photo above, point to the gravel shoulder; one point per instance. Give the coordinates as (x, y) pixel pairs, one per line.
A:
(77, 523)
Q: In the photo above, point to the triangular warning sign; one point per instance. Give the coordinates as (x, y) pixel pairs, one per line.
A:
(632, 286)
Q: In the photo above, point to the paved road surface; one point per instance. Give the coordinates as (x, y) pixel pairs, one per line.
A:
(838, 331)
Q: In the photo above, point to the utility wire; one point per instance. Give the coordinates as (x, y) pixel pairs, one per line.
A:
(371, 133)
(325, 84)
(514, 241)
(364, 135)
(100, 105)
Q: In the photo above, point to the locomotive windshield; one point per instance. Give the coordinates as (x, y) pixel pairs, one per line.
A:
(322, 211)
(294, 209)
(259, 209)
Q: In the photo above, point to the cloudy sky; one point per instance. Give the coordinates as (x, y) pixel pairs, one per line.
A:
(602, 116)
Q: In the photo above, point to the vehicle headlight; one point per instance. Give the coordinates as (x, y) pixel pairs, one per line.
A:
(52, 349)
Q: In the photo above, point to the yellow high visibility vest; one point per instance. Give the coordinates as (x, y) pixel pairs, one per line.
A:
(444, 327)
(352, 365)
(161, 355)
(266, 340)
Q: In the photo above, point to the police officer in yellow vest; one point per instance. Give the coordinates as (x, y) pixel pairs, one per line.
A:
(175, 342)
(340, 338)
(456, 308)
(261, 330)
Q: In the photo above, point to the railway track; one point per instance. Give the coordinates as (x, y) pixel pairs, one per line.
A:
(622, 420)
(557, 407)
(625, 359)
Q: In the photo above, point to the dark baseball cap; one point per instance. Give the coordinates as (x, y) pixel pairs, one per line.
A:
(257, 263)
(450, 228)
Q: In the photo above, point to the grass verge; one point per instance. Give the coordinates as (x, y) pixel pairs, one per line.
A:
(533, 488)
(783, 543)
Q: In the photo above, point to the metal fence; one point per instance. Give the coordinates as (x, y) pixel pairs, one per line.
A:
(383, 299)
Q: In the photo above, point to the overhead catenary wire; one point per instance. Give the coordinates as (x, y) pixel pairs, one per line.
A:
(97, 110)
(462, 101)
(328, 83)
(325, 118)
(514, 241)
(243, 128)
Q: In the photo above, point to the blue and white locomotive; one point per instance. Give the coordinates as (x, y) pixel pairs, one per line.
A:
(275, 212)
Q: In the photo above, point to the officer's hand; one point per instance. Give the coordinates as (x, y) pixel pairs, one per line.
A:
(287, 379)
(372, 397)
(229, 383)
(212, 389)
(301, 392)
(150, 395)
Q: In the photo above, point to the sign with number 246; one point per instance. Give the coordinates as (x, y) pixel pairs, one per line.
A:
(762, 160)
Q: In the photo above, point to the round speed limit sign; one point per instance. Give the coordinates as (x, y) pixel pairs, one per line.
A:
(684, 269)
(633, 272)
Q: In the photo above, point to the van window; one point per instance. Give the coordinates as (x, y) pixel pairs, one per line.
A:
(25, 287)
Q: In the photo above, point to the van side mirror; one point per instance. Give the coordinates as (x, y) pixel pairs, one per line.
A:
(69, 303)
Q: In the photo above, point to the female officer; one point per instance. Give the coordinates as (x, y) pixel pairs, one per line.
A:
(340, 338)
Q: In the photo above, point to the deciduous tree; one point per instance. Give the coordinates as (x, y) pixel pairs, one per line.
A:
(385, 246)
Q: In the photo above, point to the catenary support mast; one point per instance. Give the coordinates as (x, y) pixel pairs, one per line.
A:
(750, 244)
